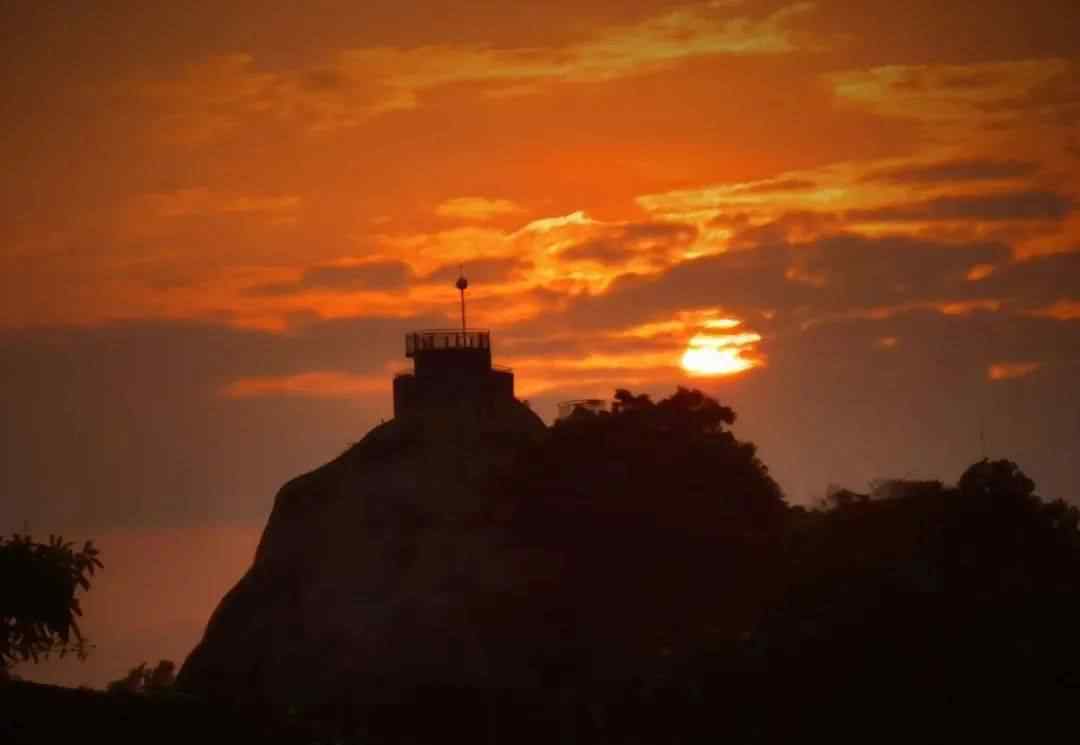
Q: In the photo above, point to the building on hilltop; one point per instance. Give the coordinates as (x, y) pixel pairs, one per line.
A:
(450, 365)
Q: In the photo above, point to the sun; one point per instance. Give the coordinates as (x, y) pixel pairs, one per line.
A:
(713, 361)
(710, 353)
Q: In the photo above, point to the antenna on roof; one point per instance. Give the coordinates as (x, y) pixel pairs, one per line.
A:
(462, 284)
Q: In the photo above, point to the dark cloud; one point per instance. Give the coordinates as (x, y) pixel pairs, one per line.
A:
(126, 425)
(930, 392)
(1054, 101)
(324, 79)
(490, 271)
(792, 227)
(964, 81)
(1016, 205)
(617, 246)
(1035, 282)
(952, 171)
(373, 275)
(831, 275)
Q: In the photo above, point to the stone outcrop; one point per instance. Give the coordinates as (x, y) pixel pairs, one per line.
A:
(372, 568)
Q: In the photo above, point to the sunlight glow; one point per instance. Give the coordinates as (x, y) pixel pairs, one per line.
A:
(710, 353)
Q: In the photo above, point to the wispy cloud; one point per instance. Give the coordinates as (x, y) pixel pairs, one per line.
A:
(1011, 370)
(212, 98)
(321, 384)
(1022, 205)
(952, 172)
(203, 201)
(477, 208)
(347, 277)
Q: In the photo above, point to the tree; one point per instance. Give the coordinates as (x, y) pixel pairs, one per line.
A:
(997, 479)
(670, 463)
(646, 527)
(38, 603)
(962, 585)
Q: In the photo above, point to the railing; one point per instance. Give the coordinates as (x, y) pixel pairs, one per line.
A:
(423, 341)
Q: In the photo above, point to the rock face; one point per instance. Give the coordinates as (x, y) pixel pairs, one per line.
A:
(371, 568)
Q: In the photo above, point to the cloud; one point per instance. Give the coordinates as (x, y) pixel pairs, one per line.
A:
(1016, 205)
(316, 384)
(776, 185)
(370, 275)
(202, 201)
(976, 92)
(826, 276)
(126, 424)
(1062, 310)
(213, 98)
(486, 271)
(1037, 280)
(1011, 370)
(617, 245)
(952, 171)
(477, 208)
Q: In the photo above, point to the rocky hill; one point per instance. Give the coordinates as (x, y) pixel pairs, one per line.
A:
(372, 569)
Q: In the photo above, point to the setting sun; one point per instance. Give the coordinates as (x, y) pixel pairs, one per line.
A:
(719, 354)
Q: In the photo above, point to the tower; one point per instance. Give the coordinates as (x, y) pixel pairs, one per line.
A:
(450, 365)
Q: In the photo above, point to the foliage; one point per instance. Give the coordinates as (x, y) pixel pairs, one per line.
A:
(38, 603)
(979, 582)
(143, 679)
(617, 465)
(656, 500)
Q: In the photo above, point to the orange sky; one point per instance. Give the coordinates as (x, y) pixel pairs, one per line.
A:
(217, 222)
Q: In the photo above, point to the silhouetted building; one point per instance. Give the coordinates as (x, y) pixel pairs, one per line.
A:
(450, 365)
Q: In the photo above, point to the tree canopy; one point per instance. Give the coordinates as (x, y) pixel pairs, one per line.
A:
(672, 463)
(38, 603)
(646, 526)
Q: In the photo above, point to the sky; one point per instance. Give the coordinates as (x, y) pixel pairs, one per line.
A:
(856, 223)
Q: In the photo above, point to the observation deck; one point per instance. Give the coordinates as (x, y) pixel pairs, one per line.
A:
(435, 339)
(450, 365)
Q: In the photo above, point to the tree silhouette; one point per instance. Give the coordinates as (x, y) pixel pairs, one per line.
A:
(646, 527)
(966, 585)
(38, 603)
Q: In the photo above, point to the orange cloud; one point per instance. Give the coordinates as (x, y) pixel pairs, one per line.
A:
(213, 98)
(321, 384)
(202, 201)
(966, 307)
(477, 208)
(968, 94)
(1062, 310)
(979, 271)
(1011, 370)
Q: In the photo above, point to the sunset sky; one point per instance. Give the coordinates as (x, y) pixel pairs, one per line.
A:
(219, 219)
